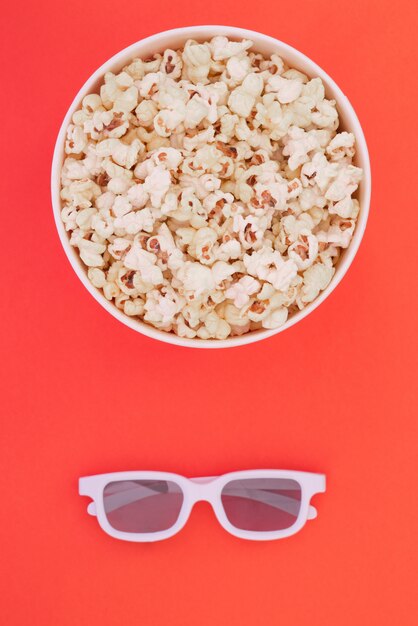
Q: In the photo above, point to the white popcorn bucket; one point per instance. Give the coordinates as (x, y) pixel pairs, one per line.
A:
(265, 45)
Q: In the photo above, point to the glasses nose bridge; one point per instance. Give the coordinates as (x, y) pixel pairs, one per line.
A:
(203, 489)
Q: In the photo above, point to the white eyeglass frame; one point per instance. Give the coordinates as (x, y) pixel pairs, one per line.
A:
(206, 489)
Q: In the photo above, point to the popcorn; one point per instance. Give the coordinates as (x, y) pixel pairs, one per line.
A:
(276, 318)
(304, 251)
(196, 54)
(119, 247)
(135, 221)
(162, 307)
(133, 308)
(145, 112)
(326, 116)
(182, 328)
(345, 184)
(166, 121)
(68, 216)
(145, 263)
(339, 233)
(347, 207)
(171, 64)
(149, 84)
(167, 157)
(203, 185)
(250, 230)
(196, 59)
(114, 88)
(137, 196)
(97, 277)
(157, 184)
(298, 144)
(341, 147)
(296, 226)
(237, 69)
(242, 99)
(201, 246)
(91, 102)
(319, 171)
(207, 190)
(241, 102)
(217, 327)
(199, 140)
(239, 323)
(315, 279)
(268, 265)
(253, 84)
(80, 193)
(76, 140)
(127, 281)
(196, 278)
(221, 272)
(102, 225)
(241, 291)
(121, 206)
(228, 123)
(196, 111)
(229, 250)
(285, 90)
(111, 291)
(84, 217)
(222, 48)
(118, 184)
(91, 253)
(122, 154)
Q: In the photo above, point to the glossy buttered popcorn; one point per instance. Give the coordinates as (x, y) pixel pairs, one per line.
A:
(208, 190)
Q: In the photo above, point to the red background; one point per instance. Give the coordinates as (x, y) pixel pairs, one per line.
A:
(84, 394)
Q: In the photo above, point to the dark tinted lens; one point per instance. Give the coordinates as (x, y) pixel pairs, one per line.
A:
(142, 506)
(262, 504)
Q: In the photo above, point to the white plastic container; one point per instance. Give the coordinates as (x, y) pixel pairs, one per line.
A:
(267, 46)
